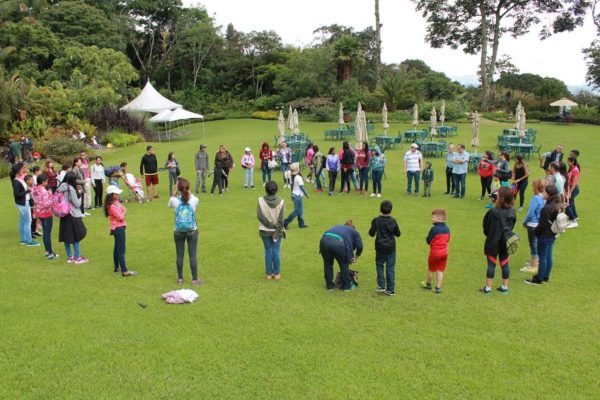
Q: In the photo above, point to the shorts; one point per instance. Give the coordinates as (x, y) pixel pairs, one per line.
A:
(151, 179)
(437, 263)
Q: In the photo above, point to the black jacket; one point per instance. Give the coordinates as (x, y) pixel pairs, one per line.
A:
(387, 231)
(19, 192)
(149, 165)
(493, 223)
(547, 216)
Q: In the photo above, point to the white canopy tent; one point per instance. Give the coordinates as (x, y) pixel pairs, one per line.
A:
(167, 117)
(149, 100)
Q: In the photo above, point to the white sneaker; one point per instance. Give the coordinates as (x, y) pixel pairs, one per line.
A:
(264, 184)
(378, 194)
(372, 195)
(572, 224)
(520, 208)
(87, 214)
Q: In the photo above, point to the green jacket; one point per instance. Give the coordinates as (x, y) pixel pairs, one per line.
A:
(427, 175)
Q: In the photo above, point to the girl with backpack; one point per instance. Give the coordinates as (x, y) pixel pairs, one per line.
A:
(486, 170)
(298, 192)
(115, 212)
(496, 223)
(347, 161)
(545, 235)
(71, 230)
(332, 164)
(43, 201)
(186, 229)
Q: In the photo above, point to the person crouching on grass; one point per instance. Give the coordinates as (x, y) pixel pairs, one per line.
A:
(437, 239)
(115, 211)
(496, 220)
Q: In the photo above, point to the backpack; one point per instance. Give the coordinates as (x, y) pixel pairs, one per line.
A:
(348, 157)
(108, 171)
(559, 225)
(511, 239)
(353, 278)
(60, 206)
(185, 217)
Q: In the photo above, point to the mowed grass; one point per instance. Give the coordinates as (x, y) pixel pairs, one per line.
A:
(84, 332)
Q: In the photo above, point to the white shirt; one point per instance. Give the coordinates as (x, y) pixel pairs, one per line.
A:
(98, 172)
(298, 182)
(193, 202)
(412, 160)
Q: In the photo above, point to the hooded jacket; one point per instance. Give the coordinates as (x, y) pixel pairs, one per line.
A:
(387, 231)
(71, 195)
(271, 225)
(43, 201)
(493, 223)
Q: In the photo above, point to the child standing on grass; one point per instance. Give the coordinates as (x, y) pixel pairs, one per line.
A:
(437, 239)
(298, 193)
(248, 166)
(114, 210)
(387, 230)
(44, 200)
(377, 166)
(427, 179)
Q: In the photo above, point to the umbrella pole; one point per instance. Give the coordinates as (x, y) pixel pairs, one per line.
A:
(203, 132)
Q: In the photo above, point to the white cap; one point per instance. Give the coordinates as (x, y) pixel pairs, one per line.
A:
(414, 146)
(247, 149)
(112, 189)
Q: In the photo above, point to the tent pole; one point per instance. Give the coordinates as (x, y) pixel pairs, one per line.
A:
(203, 132)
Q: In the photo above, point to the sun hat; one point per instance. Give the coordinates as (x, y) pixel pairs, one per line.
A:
(294, 168)
(247, 149)
(112, 189)
(414, 146)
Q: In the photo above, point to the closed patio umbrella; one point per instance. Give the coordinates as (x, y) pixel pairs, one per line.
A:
(296, 125)
(290, 120)
(281, 127)
(341, 115)
(358, 125)
(384, 117)
(433, 122)
(521, 126)
(518, 114)
(475, 130)
(443, 113)
(415, 120)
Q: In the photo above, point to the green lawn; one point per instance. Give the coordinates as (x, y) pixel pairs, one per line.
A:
(79, 332)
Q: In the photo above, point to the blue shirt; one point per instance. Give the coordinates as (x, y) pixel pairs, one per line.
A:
(533, 213)
(449, 159)
(351, 239)
(461, 168)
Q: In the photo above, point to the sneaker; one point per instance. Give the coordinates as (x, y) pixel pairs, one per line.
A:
(378, 194)
(264, 184)
(353, 286)
(81, 260)
(269, 277)
(446, 192)
(533, 281)
(438, 290)
(531, 270)
(407, 193)
(32, 243)
(36, 234)
(572, 224)
(180, 281)
(372, 195)
(426, 285)
(520, 208)
(277, 277)
(70, 259)
(87, 214)
(380, 290)
(196, 282)
(24, 243)
(481, 198)
(52, 256)
(485, 291)
(502, 290)
(389, 293)
(128, 273)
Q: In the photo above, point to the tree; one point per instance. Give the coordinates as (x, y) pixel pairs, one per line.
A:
(478, 25)
(592, 57)
(346, 54)
(396, 90)
(378, 44)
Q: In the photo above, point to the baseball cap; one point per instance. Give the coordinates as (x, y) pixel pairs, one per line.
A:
(414, 146)
(247, 149)
(112, 189)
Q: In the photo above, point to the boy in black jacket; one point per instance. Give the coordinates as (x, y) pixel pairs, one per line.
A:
(387, 230)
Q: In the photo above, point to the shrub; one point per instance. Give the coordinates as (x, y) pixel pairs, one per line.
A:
(265, 103)
(4, 169)
(268, 115)
(107, 119)
(120, 139)
(61, 148)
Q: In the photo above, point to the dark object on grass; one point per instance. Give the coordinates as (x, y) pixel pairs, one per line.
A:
(142, 305)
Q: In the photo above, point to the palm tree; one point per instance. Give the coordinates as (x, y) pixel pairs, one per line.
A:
(346, 54)
(395, 88)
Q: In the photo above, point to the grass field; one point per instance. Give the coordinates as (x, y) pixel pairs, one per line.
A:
(79, 331)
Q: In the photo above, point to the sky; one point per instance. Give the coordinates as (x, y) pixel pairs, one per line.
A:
(403, 35)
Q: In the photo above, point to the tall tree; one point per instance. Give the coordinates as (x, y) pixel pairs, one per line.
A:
(378, 44)
(346, 54)
(478, 25)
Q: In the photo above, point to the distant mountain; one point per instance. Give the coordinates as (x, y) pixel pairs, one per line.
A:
(466, 80)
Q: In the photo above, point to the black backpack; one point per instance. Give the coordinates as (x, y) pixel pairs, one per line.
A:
(338, 279)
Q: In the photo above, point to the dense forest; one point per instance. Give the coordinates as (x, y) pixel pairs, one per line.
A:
(63, 62)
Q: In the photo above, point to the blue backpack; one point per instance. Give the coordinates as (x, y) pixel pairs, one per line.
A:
(185, 217)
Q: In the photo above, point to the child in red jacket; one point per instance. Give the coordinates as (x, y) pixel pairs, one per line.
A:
(438, 238)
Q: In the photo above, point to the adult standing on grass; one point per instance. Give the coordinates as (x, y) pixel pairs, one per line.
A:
(486, 169)
(347, 163)
(318, 163)
(51, 174)
(270, 212)
(186, 229)
(21, 193)
(80, 180)
(172, 167)
(332, 164)
(71, 230)
(285, 158)
(247, 163)
(377, 166)
(98, 179)
(531, 221)
(227, 167)
(520, 178)
(43, 202)
(496, 221)
(550, 157)
(450, 189)
(413, 163)
(87, 176)
(15, 151)
(545, 236)
(219, 171)
(201, 164)
(310, 152)
(572, 191)
(341, 243)
(362, 161)
(503, 170)
(298, 193)
(459, 171)
(149, 170)
(115, 212)
(265, 155)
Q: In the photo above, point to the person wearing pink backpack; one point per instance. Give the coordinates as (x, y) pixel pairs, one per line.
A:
(71, 230)
(43, 202)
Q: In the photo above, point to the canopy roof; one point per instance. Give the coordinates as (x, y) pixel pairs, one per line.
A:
(176, 115)
(564, 102)
(151, 101)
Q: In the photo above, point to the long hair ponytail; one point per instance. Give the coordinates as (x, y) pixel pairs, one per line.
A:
(183, 186)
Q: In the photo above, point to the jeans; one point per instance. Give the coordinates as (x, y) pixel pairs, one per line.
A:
(334, 249)
(172, 181)
(345, 179)
(318, 178)
(285, 167)
(192, 241)
(119, 249)
(217, 181)
(521, 186)
(459, 184)
(248, 177)
(332, 178)
(47, 227)
(571, 210)
(201, 180)
(376, 176)
(98, 191)
(298, 212)
(272, 255)
(390, 270)
(545, 246)
(76, 250)
(533, 247)
(266, 172)
(413, 175)
(427, 188)
(24, 222)
(450, 181)
(486, 185)
(363, 174)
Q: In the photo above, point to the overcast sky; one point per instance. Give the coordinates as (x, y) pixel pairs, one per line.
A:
(402, 35)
